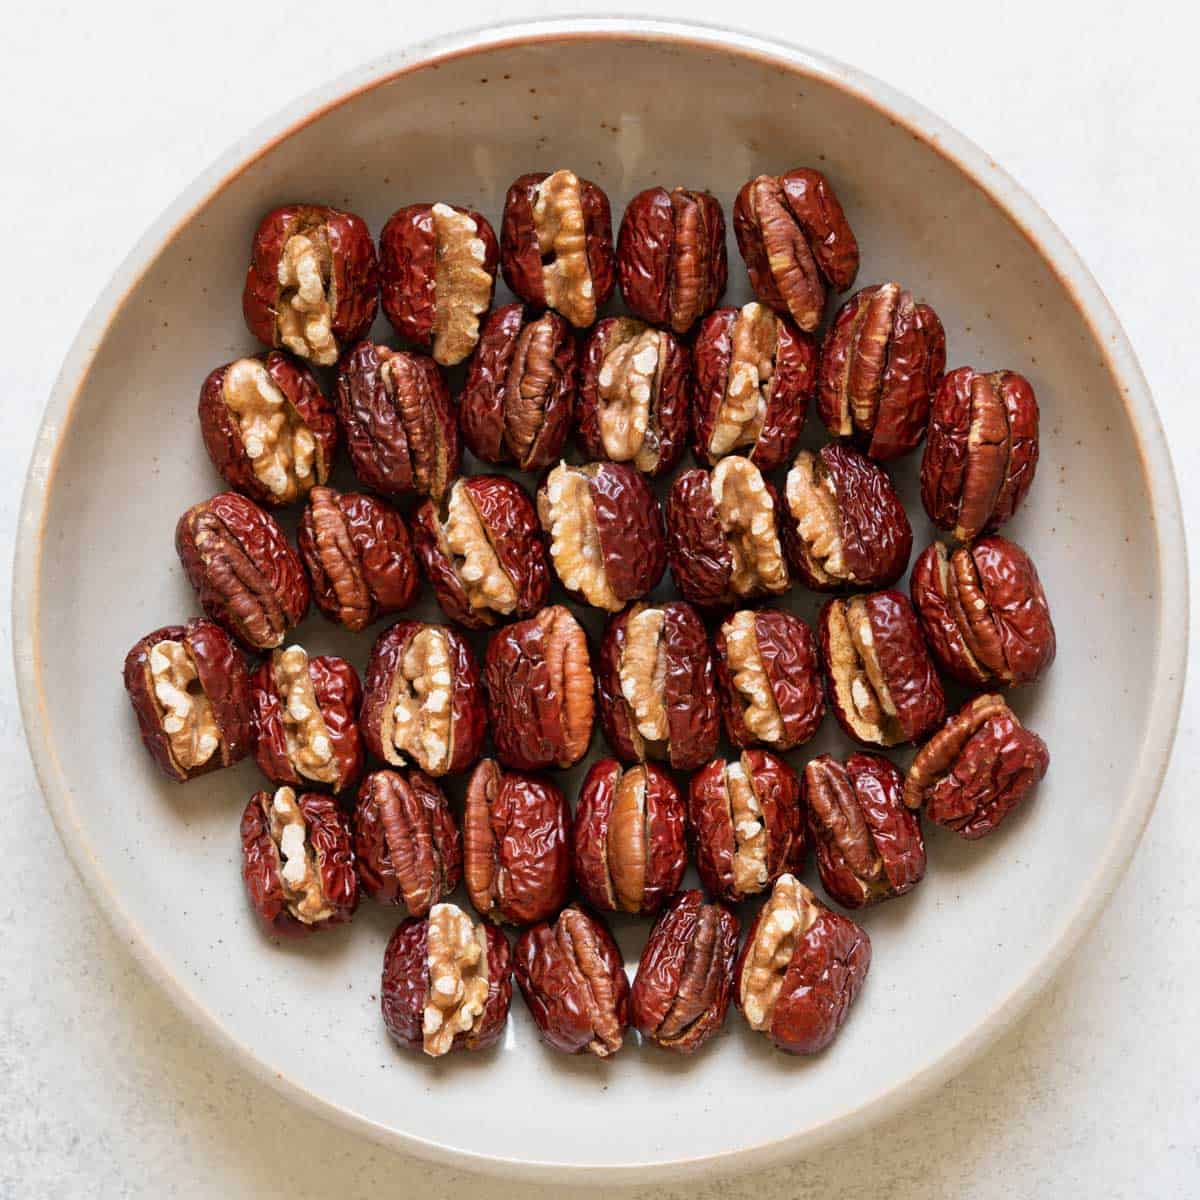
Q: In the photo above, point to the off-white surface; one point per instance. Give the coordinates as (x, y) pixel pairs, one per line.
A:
(111, 1092)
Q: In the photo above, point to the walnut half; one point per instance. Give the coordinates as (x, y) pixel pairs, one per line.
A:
(457, 960)
(747, 514)
(565, 506)
(858, 676)
(306, 302)
(309, 746)
(642, 672)
(185, 712)
(420, 706)
(786, 917)
(301, 881)
(760, 712)
(561, 228)
(754, 342)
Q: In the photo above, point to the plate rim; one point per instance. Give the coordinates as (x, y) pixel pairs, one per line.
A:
(1019, 208)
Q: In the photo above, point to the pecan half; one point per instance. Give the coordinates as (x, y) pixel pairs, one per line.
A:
(574, 984)
(246, 575)
(190, 693)
(868, 845)
(684, 979)
(794, 239)
(982, 451)
(977, 768)
(312, 286)
(880, 365)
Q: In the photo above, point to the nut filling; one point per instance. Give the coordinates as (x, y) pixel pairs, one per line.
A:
(462, 287)
(628, 841)
(786, 917)
(630, 378)
(643, 673)
(561, 230)
(739, 420)
(298, 872)
(578, 943)
(420, 704)
(467, 545)
(574, 538)
(812, 502)
(760, 712)
(749, 831)
(458, 978)
(699, 980)
(305, 310)
(308, 745)
(570, 669)
(747, 515)
(857, 673)
(185, 712)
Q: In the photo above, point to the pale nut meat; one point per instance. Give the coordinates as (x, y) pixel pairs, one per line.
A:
(813, 504)
(855, 664)
(754, 342)
(298, 874)
(470, 550)
(185, 712)
(630, 376)
(749, 831)
(305, 313)
(462, 287)
(747, 514)
(309, 746)
(421, 702)
(561, 229)
(575, 547)
(457, 961)
(643, 673)
(786, 917)
(760, 712)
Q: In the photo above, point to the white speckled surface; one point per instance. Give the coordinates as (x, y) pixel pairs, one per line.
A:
(109, 1092)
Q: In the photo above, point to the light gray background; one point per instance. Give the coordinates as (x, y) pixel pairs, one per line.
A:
(106, 113)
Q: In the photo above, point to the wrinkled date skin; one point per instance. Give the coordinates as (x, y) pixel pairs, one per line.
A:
(800, 970)
(306, 720)
(755, 373)
(245, 573)
(671, 259)
(422, 699)
(268, 428)
(437, 270)
(976, 769)
(744, 818)
(880, 365)
(605, 530)
(298, 888)
(881, 682)
(984, 612)
(843, 525)
(981, 453)
(192, 700)
(769, 675)
(399, 424)
(483, 552)
(574, 984)
(313, 284)
(519, 393)
(796, 241)
(684, 979)
(517, 845)
(656, 686)
(406, 990)
(556, 244)
(868, 845)
(541, 691)
(630, 850)
(358, 556)
(634, 384)
(407, 846)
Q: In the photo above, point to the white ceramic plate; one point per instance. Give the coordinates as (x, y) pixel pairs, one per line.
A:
(627, 104)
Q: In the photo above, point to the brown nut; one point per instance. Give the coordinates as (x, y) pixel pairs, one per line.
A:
(312, 286)
(358, 557)
(794, 239)
(574, 984)
(800, 970)
(399, 425)
(769, 675)
(868, 846)
(982, 451)
(483, 552)
(844, 525)
(977, 768)
(516, 844)
(246, 575)
(437, 270)
(556, 244)
(880, 365)
(633, 395)
(881, 682)
(447, 982)
(268, 428)
(306, 720)
(606, 532)
(684, 979)
(671, 258)
(984, 612)
(755, 373)
(723, 535)
(629, 851)
(405, 840)
(191, 695)
(422, 699)
(519, 392)
(298, 861)
(744, 818)
(540, 690)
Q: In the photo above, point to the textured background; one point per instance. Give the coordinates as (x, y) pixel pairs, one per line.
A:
(107, 113)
